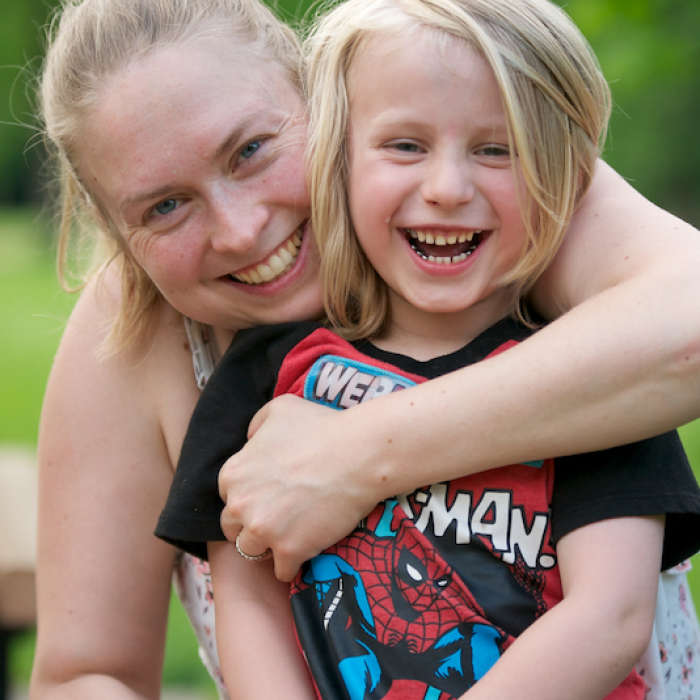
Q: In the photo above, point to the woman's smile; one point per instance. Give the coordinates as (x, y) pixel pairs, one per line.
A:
(275, 265)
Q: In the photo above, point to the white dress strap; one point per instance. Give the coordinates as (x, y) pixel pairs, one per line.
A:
(205, 353)
(191, 576)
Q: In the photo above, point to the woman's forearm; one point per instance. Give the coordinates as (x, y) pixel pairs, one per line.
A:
(617, 368)
(623, 366)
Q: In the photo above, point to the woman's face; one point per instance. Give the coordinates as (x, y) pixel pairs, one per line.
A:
(196, 153)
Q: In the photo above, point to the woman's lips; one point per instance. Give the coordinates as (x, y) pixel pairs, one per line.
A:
(276, 265)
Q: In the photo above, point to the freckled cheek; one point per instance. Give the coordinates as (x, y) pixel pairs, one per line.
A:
(288, 181)
(170, 265)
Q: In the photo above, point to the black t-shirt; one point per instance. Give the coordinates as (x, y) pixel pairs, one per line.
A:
(651, 477)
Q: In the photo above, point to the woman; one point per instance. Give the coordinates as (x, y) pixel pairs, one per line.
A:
(180, 128)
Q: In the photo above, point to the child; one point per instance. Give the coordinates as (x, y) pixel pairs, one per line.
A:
(465, 132)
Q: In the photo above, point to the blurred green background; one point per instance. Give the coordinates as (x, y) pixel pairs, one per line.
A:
(649, 51)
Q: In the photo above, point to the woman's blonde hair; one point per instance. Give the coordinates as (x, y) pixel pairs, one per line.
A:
(91, 40)
(557, 106)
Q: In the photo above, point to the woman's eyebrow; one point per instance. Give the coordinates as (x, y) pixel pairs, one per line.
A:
(237, 132)
(135, 199)
(221, 151)
(232, 138)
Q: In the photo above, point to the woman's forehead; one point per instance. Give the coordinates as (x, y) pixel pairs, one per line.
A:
(179, 105)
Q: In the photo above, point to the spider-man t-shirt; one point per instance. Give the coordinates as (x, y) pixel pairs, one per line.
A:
(433, 586)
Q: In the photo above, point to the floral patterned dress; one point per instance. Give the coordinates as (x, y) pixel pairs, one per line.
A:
(670, 666)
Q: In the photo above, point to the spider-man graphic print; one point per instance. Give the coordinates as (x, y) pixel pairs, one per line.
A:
(426, 594)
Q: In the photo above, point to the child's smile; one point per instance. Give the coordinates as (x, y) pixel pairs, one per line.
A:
(444, 247)
(432, 192)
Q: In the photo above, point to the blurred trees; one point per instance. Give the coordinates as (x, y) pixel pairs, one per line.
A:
(20, 44)
(649, 51)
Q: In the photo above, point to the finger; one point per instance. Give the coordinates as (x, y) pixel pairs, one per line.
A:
(230, 526)
(227, 476)
(258, 419)
(222, 482)
(287, 566)
(249, 547)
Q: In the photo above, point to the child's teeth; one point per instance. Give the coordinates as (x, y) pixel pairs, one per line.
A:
(442, 240)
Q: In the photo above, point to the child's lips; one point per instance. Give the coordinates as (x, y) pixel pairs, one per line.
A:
(444, 247)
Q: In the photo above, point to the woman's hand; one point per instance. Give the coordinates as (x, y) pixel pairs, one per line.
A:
(290, 500)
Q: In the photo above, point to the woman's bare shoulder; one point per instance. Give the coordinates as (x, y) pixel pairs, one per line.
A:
(152, 381)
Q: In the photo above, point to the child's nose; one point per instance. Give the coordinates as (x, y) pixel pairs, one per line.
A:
(449, 183)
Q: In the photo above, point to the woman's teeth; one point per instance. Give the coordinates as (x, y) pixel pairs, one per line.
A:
(464, 244)
(275, 266)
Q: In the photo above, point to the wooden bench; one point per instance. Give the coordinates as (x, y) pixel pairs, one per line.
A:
(18, 518)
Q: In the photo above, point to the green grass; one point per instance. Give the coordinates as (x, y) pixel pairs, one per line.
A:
(33, 311)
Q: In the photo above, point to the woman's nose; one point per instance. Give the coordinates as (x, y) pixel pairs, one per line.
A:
(449, 182)
(237, 222)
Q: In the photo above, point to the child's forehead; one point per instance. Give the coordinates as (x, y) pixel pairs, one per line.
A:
(419, 37)
(451, 50)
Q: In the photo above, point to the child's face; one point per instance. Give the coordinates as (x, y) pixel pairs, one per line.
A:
(431, 191)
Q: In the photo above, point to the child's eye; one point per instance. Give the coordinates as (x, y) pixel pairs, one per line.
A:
(495, 151)
(405, 147)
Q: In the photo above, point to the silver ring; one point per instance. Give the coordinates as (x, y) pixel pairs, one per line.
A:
(256, 557)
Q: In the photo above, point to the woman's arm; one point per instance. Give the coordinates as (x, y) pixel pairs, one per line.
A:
(258, 651)
(105, 470)
(622, 363)
(583, 648)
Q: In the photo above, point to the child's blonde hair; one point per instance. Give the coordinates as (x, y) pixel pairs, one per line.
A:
(556, 102)
(91, 40)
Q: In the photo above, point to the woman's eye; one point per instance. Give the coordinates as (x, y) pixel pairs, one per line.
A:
(249, 150)
(167, 206)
